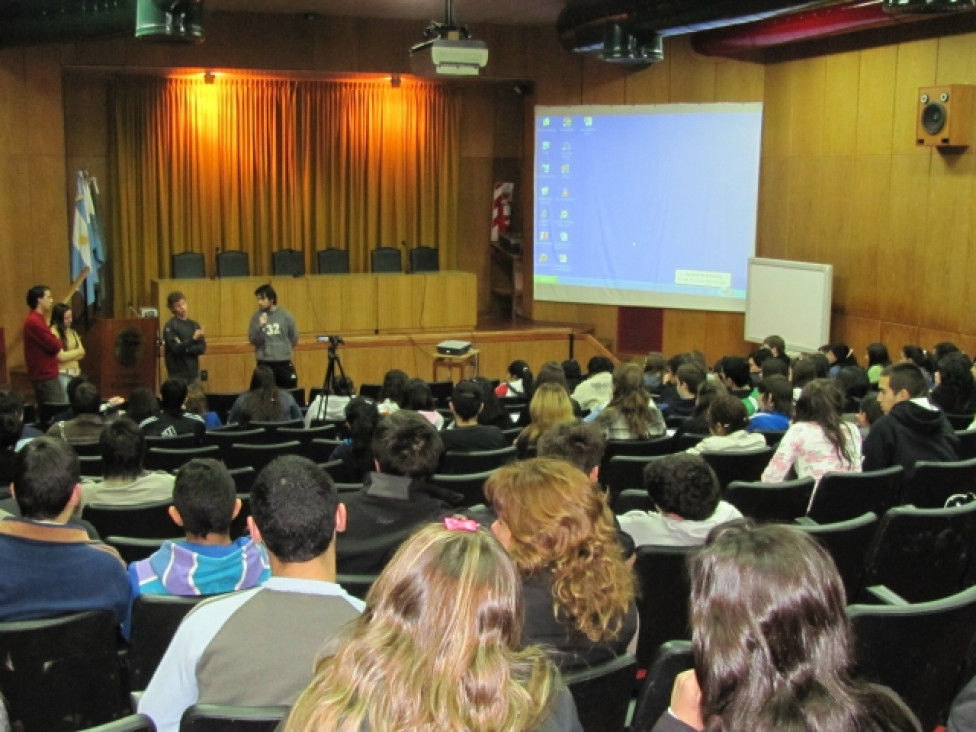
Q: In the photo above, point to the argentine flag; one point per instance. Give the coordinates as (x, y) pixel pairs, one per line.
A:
(86, 237)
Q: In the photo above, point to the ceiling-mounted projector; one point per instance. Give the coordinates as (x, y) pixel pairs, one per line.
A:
(449, 50)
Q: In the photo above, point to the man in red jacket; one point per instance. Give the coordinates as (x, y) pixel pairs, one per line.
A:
(41, 347)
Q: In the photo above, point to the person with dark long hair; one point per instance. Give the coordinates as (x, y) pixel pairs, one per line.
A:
(878, 359)
(356, 452)
(519, 381)
(72, 349)
(631, 413)
(819, 440)
(772, 643)
(265, 402)
(955, 389)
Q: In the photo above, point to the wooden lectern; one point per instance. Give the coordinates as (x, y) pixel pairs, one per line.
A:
(121, 354)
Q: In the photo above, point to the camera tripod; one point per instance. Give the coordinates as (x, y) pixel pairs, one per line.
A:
(331, 381)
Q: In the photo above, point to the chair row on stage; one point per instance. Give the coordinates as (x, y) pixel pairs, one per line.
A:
(291, 262)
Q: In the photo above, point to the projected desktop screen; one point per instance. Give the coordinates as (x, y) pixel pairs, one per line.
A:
(646, 205)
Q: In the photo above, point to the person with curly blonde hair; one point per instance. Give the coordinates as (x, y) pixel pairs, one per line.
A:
(550, 406)
(559, 531)
(439, 647)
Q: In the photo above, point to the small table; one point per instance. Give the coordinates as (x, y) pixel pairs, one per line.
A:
(455, 365)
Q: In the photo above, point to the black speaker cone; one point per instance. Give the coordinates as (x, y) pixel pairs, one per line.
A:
(934, 117)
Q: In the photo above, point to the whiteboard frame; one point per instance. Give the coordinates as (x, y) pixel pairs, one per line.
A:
(789, 299)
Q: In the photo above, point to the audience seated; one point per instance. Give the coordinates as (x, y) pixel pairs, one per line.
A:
(775, 404)
(734, 373)
(196, 403)
(10, 431)
(654, 367)
(50, 566)
(549, 373)
(406, 448)
(756, 359)
(572, 372)
(853, 384)
(685, 491)
(265, 402)
(597, 389)
(805, 369)
(878, 360)
(955, 391)
(141, 405)
(697, 422)
(913, 428)
(86, 425)
(838, 356)
(772, 643)
(580, 444)
(869, 412)
(518, 383)
(492, 412)
(727, 422)
(356, 451)
(12, 403)
(439, 648)
(466, 435)
(921, 358)
(689, 378)
(819, 440)
(331, 405)
(777, 347)
(172, 420)
(207, 561)
(579, 593)
(417, 397)
(631, 413)
(124, 481)
(391, 392)
(258, 647)
(668, 390)
(550, 405)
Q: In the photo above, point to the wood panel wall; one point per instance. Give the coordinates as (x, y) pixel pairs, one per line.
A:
(841, 181)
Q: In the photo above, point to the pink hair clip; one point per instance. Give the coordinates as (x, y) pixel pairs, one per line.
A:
(459, 523)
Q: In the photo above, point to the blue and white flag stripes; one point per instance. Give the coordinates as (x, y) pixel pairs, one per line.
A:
(86, 237)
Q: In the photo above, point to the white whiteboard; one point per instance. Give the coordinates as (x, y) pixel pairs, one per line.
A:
(789, 299)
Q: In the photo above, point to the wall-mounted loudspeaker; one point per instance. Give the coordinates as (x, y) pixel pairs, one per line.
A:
(944, 117)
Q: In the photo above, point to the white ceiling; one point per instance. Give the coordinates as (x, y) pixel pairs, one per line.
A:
(471, 12)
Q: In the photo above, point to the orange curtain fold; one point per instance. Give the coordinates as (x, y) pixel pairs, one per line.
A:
(267, 164)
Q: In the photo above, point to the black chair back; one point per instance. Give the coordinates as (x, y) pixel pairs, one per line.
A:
(320, 450)
(155, 619)
(224, 438)
(842, 496)
(917, 650)
(188, 266)
(622, 473)
(602, 693)
(959, 421)
(632, 500)
(747, 465)
(370, 391)
(172, 442)
(130, 723)
(132, 549)
(142, 521)
(243, 478)
(469, 485)
(220, 403)
(386, 259)
(62, 673)
(287, 263)
(356, 585)
(441, 391)
(772, 437)
(671, 659)
(332, 261)
(685, 440)
(220, 718)
(662, 600)
(931, 484)
(479, 461)
(91, 465)
(233, 263)
(158, 458)
(258, 455)
(424, 259)
(920, 554)
(847, 542)
(782, 502)
(305, 435)
(966, 449)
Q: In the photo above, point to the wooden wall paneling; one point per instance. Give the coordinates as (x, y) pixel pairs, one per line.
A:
(837, 209)
(778, 94)
(684, 330)
(928, 337)
(724, 335)
(956, 60)
(876, 100)
(966, 301)
(652, 84)
(947, 239)
(840, 103)
(917, 63)
(557, 73)
(900, 254)
(869, 188)
(603, 83)
(692, 75)
(738, 81)
(772, 226)
(509, 50)
(857, 333)
(896, 336)
(804, 208)
(335, 44)
(808, 110)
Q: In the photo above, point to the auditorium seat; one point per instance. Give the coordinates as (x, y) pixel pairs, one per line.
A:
(188, 266)
(332, 261)
(287, 262)
(424, 259)
(386, 259)
(233, 263)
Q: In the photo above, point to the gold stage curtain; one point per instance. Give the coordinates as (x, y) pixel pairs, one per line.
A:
(267, 164)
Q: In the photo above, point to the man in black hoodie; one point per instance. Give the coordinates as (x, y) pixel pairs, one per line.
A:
(913, 428)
